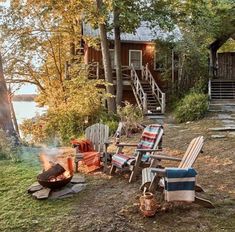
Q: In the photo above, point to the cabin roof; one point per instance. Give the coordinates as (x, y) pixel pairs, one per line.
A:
(142, 34)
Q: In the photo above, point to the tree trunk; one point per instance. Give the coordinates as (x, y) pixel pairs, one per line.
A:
(15, 123)
(118, 63)
(106, 61)
(5, 113)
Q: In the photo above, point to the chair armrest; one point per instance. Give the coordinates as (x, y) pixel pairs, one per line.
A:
(159, 171)
(107, 142)
(126, 145)
(148, 150)
(164, 157)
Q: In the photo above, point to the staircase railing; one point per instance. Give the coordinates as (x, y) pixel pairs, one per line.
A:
(140, 95)
(209, 89)
(160, 96)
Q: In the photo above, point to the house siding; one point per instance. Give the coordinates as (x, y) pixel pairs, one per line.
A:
(148, 51)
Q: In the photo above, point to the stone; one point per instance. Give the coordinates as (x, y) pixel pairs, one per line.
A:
(42, 194)
(78, 188)
(227, 128)
(229, 121)
(78, 179)
(224, 116)
(232, 134)
(60, 192)
(34, 187)
(218, 136)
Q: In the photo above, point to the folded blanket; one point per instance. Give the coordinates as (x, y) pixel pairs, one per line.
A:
(180, 184)
(120, 160)
(148, 139)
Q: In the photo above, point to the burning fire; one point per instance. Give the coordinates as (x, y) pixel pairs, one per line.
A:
(48, 162)
(63, 176)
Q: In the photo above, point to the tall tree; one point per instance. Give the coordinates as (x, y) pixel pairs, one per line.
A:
(117, 53)
(5, 112)
(106, 57)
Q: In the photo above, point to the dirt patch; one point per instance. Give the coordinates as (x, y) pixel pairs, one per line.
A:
(111, 204)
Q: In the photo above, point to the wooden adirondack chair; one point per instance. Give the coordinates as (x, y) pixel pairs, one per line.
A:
(93, 147)
(134, 163)
(151, 177)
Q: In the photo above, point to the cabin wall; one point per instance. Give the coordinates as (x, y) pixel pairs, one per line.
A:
(148, 51)
(226, 66)
(92, 55)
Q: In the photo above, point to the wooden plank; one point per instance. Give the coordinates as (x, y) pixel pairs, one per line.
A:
(194, 153)
(203, 202)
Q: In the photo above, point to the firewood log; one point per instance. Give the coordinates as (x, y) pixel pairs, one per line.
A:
(52, 172)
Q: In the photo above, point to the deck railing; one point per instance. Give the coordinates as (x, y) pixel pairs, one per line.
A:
(156, 91)
(138, 91)
(209, 89)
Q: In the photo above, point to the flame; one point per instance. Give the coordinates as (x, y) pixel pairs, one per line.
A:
(44, 161)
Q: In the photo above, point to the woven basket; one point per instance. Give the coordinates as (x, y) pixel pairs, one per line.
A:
(148, 204)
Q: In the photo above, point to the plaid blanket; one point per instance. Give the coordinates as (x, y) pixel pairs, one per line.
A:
(148, 139)
(180, 184)
(86, 155)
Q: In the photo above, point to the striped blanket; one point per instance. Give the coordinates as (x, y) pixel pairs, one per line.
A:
(180, 184)
(148, 139)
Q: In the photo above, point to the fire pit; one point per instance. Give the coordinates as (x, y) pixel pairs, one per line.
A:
(55, 177)
(54, 183)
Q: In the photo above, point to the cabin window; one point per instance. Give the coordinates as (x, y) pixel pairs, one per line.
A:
(158, 62)
(112, 57)
(135, 58)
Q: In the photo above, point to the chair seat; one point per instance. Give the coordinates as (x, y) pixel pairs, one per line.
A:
(121, 160)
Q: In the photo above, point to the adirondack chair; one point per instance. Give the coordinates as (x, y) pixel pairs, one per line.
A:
(150, 143)
(93, 147)
(152, 178)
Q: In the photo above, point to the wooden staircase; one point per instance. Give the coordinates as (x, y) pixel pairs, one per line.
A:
(222, 95)
(153, 106)
(222, 89)
(148, 95)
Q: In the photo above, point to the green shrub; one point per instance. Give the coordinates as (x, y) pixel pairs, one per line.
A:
(8, 150)
(53, 129)
(192, 107)
(131, 116)
(111, 120)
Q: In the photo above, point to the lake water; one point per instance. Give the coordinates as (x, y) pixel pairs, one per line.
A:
(26, 110)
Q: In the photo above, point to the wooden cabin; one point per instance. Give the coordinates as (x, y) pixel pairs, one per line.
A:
(222, 71)
(141, 77)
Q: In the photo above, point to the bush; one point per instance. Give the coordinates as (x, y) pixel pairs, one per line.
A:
(53, 129)
(192, 107)
(131, 116)
(57, 129)
(111, 120)
(7, 147)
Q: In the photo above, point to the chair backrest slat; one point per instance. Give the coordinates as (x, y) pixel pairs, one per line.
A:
(98, 134)
(192, 152)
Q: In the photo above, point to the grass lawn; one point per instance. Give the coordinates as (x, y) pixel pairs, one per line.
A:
(18, 211)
